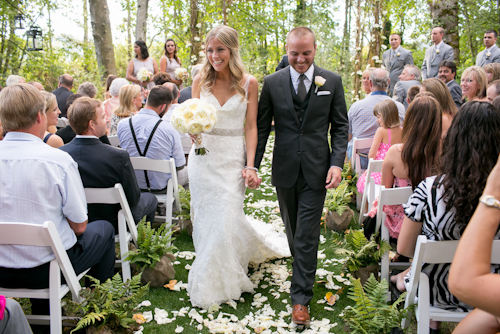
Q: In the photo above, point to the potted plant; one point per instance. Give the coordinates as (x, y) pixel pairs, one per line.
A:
(339, 214)
(184, 214)
(108, 306)
(371, 313)
(153, 256)
(363, 255)
(351, 178)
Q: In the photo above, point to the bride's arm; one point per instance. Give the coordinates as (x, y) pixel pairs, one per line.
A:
(195, 87)
(251, 132)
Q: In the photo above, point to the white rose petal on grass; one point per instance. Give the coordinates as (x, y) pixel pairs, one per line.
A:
(179, 329)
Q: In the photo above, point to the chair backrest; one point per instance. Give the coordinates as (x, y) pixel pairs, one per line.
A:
(391, 196)
(163, 166)
(43, 236)
(374, 166)
(114, 195)
(114, 141)
(358, 144)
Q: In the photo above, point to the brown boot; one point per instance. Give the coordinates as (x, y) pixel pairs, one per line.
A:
(300, 315)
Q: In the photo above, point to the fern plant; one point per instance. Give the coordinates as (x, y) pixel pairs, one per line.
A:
(185, 202)
(371, 314)
(110, 304)
(360, 252)
(338, 199)
(350, 177)
(153, 244)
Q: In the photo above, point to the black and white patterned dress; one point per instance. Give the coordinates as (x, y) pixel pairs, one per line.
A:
(427, 206)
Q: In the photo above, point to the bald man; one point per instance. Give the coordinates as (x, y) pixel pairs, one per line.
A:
(435, 54)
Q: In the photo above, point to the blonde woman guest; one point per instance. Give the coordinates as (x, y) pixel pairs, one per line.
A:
(112, 103)
(171, 61)
(442, 94)
(224, 239)
(492, 71)
(365, 80)
(142, 59)
(130, 103)
(473, 83)
(52, 112)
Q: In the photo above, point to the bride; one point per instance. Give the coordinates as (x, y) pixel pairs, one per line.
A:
(225, 240)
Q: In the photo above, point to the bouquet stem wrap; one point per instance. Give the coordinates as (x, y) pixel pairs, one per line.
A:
(198, 148)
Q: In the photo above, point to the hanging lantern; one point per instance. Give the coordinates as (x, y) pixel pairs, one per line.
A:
(34, 39)
(19, 21)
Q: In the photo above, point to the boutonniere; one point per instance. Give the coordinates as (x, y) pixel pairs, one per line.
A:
(488, 54)
(319, 81)
(437, 51)
(398, 54)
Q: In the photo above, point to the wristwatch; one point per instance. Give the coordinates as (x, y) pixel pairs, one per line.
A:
(490, 201)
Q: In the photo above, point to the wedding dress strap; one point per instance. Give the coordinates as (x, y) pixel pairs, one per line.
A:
(247, 83)
(227, 132)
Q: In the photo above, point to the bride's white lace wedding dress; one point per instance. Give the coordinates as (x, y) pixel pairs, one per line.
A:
(225, 239)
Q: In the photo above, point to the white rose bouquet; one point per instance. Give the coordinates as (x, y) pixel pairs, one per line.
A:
(144, 75)
(194, 117)
(181, 73)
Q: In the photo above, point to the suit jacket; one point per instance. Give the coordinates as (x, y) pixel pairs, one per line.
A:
(303, 145)
(396, 66)
(67, 134)
(493, 58)
(185, 94)
(62, 94)
(456, 92)
(101, 166)
(283, 63)
(430, 66)
(401, 91)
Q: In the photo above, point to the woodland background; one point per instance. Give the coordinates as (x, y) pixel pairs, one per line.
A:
(345, 45)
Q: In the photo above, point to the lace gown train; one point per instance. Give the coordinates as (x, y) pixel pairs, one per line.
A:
(225, 240)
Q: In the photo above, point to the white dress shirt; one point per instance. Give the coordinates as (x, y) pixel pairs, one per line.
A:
(308, 80)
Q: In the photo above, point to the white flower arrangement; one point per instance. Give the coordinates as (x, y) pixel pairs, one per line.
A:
(359, 72)
(195, 117)
(398, 54)
(375, 57)
(198, 25)
(437, 51)
(144, 75)
(197, 39)
(181, 73)
(319, 81)
(488, 54)
(384, 47)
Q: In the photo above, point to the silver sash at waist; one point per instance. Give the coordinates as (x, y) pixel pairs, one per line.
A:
(227, 132)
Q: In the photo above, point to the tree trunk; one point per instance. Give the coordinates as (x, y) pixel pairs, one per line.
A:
(345, 35)
(142, 19)
(129, 29)
(375, 36)
(470, 37)
(358, 56)
(85, 22)
(195, 32)
(224, 12)
(444, 13)
(103, 40)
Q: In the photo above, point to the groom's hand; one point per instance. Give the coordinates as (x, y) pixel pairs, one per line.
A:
(333, 178)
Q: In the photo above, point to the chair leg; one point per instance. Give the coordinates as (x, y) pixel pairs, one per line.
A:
(384, 270)
(122, 236)
(54, 300)
(423, 307)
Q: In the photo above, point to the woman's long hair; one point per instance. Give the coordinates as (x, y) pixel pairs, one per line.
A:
(144, 49)
(470, 150)
(165, 52)
(229, 37)
(421, 138)
(126, 95)
(442, 95)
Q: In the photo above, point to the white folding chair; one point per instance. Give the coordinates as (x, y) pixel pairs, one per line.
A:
(44, 236)
(359, 144)
(433, 252)
(62, 122)
(371, 188)
(116, 195)
(171, 197)
(114, 141)
(390, 196)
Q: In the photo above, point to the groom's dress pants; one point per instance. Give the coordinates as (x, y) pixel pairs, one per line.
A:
(301, 208)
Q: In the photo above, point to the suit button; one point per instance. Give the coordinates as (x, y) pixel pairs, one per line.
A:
(300, 119)
(301, 133)
(298, 152)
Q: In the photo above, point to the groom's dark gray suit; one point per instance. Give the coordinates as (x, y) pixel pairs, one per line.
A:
(301, 160)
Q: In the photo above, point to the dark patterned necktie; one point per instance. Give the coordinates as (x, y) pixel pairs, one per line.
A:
(301, 89)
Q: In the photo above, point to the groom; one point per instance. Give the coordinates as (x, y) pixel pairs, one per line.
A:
(305, 101)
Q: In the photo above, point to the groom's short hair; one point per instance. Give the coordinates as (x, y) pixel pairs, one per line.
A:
(300, 32)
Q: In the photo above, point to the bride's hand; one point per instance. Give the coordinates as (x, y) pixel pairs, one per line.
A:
(193, 138)
(251, 179)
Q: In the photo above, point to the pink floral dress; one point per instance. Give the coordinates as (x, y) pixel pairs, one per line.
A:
(395, 213)
(381, 153)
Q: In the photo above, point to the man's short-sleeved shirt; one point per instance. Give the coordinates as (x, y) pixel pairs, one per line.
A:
(165, 144)
(39, 183)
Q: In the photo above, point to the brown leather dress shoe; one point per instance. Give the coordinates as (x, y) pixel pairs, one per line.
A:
(300, 315)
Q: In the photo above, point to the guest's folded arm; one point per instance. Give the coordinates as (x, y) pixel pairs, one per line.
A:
(407, 240)
(78, 228)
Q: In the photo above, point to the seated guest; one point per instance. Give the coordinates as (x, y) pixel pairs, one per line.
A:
(130, 103)
(408, 78)
(186, 92)
(87, 89)
(102, 166)
(14, 79)
(492, 71)
(37, 85)
(365, 80)
(493, 90)
(63, 92)
(495, 103)
(442, 205)
(409, 163)
(109, 80)
(161, 78)
(175, 102)
(67, 134)
(474, 83)
(41, 184)
(12, 318)
(470, 277)
(441, 93)
(52, 112)
(447, 73)
(113, 102)
(412, 92)
(164, 140)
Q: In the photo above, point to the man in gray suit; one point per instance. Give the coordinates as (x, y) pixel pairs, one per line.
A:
(410, 77)
(447, 72)
(395, 60)
(492, 52)
(436, 54)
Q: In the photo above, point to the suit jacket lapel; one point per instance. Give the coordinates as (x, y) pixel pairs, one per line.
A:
(287, 93)
(312, 99)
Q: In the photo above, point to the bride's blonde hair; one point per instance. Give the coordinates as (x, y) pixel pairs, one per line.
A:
(229, 37)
